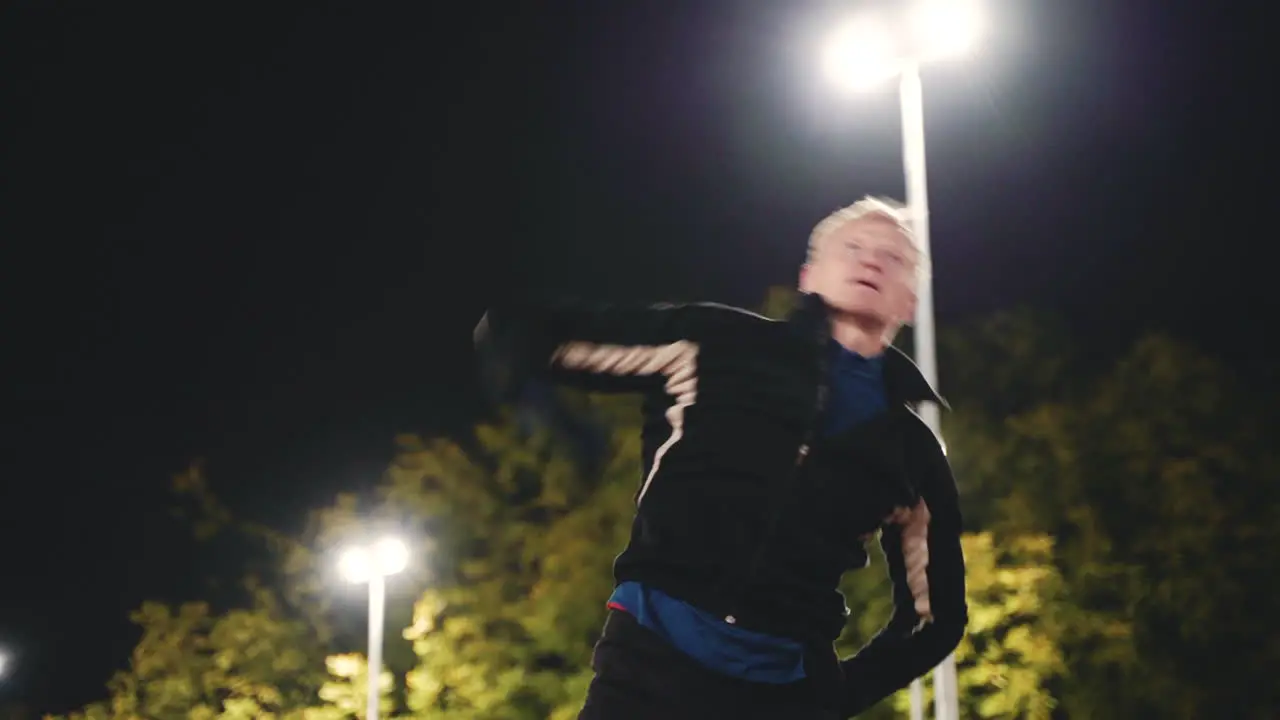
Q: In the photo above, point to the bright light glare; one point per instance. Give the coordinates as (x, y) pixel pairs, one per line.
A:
(387, 557)
(355, 565)
(944, 28)
(392, 555)
(861, 55)
(4, 663)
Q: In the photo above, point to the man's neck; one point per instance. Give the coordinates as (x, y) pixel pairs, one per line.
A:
(857, 335)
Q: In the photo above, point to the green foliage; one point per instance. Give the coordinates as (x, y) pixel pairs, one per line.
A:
(193, 665)
(293, 563)
(1148, 479)
(1011, 652)
(1007, 363)
(527, 543)
(345, 693)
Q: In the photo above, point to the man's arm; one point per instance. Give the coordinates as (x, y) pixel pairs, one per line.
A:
(606, 347)
(926, 567)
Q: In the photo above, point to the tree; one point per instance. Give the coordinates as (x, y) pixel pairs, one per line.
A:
(345, 693)
(193, 665)
(507, 628)
(1010, 654)
(1177, 476)
(300, 571)
(1149, 479)
(1007, 363)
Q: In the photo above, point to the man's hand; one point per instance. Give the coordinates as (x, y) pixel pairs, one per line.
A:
(915, 551)
(922, 548)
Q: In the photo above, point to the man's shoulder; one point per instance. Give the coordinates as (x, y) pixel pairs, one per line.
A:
(919, 430)
(932, 471)
(718, 316)
(714, 309)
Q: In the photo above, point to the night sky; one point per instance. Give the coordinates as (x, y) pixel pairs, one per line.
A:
(261, 234)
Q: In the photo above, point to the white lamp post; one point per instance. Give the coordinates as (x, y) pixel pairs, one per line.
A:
(373, 564)
(862, 54)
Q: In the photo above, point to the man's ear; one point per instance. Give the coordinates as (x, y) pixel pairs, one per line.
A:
(803, 280)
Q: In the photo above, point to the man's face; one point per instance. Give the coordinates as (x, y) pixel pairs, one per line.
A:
(865, 268)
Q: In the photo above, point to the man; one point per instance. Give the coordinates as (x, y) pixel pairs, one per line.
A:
(772, 451)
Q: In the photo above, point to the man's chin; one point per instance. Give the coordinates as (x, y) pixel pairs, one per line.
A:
(853, 306)
(860, 313)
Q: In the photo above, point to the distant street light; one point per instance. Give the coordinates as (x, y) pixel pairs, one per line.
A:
(4, 664)
(870, 50)
(373, 565)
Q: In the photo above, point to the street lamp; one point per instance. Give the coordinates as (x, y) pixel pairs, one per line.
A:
(870, 50)
(373, 564)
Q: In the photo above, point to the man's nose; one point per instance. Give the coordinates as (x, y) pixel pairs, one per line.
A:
(870, 262)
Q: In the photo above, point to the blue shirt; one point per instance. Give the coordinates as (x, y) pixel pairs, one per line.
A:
(856, 390)
(856, 395)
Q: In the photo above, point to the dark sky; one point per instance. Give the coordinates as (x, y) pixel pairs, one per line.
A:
(260, 234)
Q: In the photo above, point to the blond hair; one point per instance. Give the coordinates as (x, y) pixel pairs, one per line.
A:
(869, 207)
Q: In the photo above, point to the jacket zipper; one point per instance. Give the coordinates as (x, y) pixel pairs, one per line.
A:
(793, 477)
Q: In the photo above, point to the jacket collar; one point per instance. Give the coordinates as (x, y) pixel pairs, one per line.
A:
(902, 377)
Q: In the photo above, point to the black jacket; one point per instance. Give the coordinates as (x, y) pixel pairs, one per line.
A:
(744, 510)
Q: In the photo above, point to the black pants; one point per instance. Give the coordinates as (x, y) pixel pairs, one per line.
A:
(639, 676)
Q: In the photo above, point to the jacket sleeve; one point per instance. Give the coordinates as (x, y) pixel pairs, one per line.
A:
(598, 348)
(926, 567)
